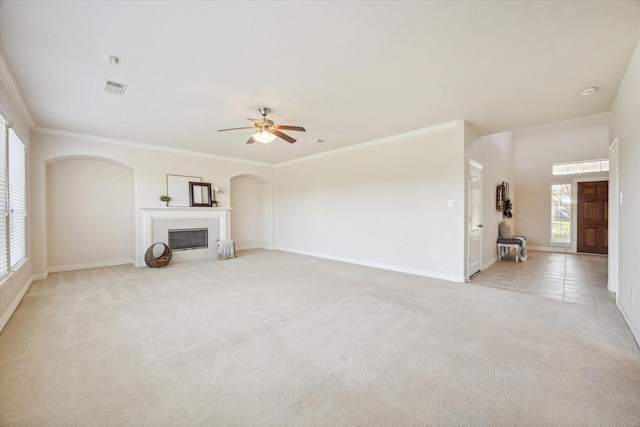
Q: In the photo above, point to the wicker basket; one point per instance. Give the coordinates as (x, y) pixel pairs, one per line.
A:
(162, 260)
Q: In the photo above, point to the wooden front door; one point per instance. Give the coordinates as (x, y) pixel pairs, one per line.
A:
(593, 217)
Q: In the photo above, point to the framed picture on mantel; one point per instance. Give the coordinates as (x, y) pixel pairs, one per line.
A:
(178, 189)
(200, 194)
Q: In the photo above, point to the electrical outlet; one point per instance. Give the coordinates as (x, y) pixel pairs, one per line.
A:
(620, 198)
(81, 252)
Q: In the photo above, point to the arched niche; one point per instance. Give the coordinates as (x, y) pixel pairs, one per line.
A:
(251, 197)
(90, 212)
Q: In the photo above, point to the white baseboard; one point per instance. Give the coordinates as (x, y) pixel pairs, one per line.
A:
(560, 249)
(14, 304)
(390, 267)
(90, 265)
(635, 329)
(489, 263)
(40, 276)
(246, 248)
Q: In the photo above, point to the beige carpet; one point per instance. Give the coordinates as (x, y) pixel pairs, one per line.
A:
(277, 339)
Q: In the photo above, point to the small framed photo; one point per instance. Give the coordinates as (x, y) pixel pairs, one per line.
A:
(200, 194)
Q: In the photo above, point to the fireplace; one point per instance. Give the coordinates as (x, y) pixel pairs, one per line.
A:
(191, 233)
(191, 238)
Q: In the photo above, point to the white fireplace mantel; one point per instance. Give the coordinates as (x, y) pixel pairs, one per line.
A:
(151, 214)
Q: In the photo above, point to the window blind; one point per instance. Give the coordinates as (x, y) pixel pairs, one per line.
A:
(17, 199)
(4, 267)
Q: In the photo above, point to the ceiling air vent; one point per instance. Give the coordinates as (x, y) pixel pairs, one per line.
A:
(113, 87)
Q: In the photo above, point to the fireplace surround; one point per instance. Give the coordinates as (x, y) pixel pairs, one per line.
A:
(156, 223)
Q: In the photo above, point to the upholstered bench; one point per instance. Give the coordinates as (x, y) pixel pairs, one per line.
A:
(505, 246)
(506, 242)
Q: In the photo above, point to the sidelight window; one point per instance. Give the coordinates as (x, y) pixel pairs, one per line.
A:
(561, 213)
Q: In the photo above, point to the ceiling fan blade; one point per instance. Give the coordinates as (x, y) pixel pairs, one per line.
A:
(222, 130)
(283, 136)
(251, 140)
(286, 127)
(258, 122)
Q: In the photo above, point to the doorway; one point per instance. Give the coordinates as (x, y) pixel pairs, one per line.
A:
(252, 214)
(474, 194)
(593, 221)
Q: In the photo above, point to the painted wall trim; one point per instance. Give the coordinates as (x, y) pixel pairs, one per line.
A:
(14, 91)
(414, 271)
(248, 248)
(474, 163)
(490, 262)
(90, 265)
(40, 276)
(560, 249)
(635, 330)
(386, 140)
(14, 304)
(151, 147)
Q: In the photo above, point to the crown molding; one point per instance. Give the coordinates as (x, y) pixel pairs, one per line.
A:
(139, 145)
(386, 140)
(14, 91)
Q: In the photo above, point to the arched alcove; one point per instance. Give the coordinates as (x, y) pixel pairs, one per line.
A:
(90, 212)
(252, 215)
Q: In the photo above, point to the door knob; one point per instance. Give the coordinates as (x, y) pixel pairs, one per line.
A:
(480, 225)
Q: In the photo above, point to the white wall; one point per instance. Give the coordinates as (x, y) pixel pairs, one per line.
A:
(625, 126)
(99, 188)
(537, 149)
(149, 165)
(383, 205)
(252, 214)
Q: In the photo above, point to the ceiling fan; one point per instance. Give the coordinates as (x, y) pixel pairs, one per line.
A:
(266, 130)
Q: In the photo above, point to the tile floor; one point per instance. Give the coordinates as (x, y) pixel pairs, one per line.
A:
(577, 278)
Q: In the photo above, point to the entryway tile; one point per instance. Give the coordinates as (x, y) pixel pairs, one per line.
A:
(576, 278)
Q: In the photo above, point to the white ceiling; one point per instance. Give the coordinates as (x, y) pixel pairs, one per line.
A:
(350, 72)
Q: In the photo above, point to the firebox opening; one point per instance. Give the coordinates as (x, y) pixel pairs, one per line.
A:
(193, 238)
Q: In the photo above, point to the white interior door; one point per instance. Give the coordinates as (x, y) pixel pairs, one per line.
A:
(474, 208)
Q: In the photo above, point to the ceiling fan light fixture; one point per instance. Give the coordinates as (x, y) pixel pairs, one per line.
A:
(265, 131)
(264, 136)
